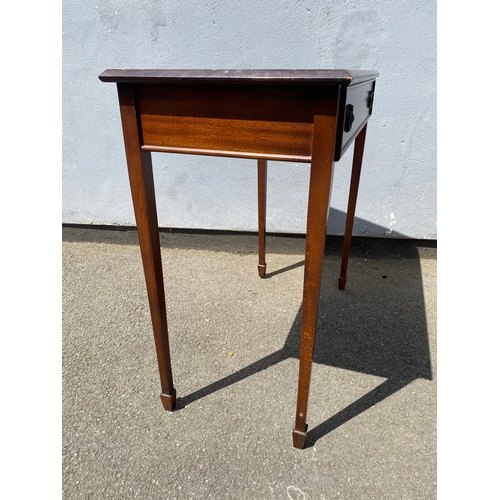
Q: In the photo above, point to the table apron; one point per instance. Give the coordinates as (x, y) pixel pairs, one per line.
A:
(269, 122)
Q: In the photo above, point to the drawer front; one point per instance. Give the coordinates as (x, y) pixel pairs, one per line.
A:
(355, 110)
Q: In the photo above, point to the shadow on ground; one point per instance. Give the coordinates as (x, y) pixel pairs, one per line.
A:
(377, 326)
(365, 331)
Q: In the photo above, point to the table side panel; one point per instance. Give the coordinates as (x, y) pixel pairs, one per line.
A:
(276, 121)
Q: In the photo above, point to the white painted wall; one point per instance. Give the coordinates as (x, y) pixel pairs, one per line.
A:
(397, 195)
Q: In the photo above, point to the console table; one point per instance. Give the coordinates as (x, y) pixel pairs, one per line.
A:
(309, 116)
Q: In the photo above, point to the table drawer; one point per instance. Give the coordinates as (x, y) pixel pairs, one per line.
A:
(355, 108)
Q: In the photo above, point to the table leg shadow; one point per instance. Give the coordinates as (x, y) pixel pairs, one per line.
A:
(358, 331)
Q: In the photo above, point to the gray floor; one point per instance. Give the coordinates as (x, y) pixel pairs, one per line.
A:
(234, 344)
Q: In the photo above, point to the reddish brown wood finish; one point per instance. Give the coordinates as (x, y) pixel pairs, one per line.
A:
(317, 77)
(274, 121)
(278, 115)
(143, 196)
(359, 147)
(262, 201)
(317, 216)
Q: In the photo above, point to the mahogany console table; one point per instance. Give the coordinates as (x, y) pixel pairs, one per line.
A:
(307, 116)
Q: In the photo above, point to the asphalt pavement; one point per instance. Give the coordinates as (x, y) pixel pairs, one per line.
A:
(234, 343)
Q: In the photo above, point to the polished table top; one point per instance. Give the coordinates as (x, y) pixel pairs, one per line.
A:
(269, 76)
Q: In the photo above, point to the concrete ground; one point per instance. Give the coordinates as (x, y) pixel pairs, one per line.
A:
(234, 344)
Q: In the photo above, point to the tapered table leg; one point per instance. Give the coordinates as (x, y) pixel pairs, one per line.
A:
(262, 201)
(359, 146)
(143, 197)
(317, 215)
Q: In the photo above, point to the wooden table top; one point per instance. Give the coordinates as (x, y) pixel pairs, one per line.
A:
(269, 76)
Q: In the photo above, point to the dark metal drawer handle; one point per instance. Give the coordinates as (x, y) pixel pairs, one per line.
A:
(349, 117)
